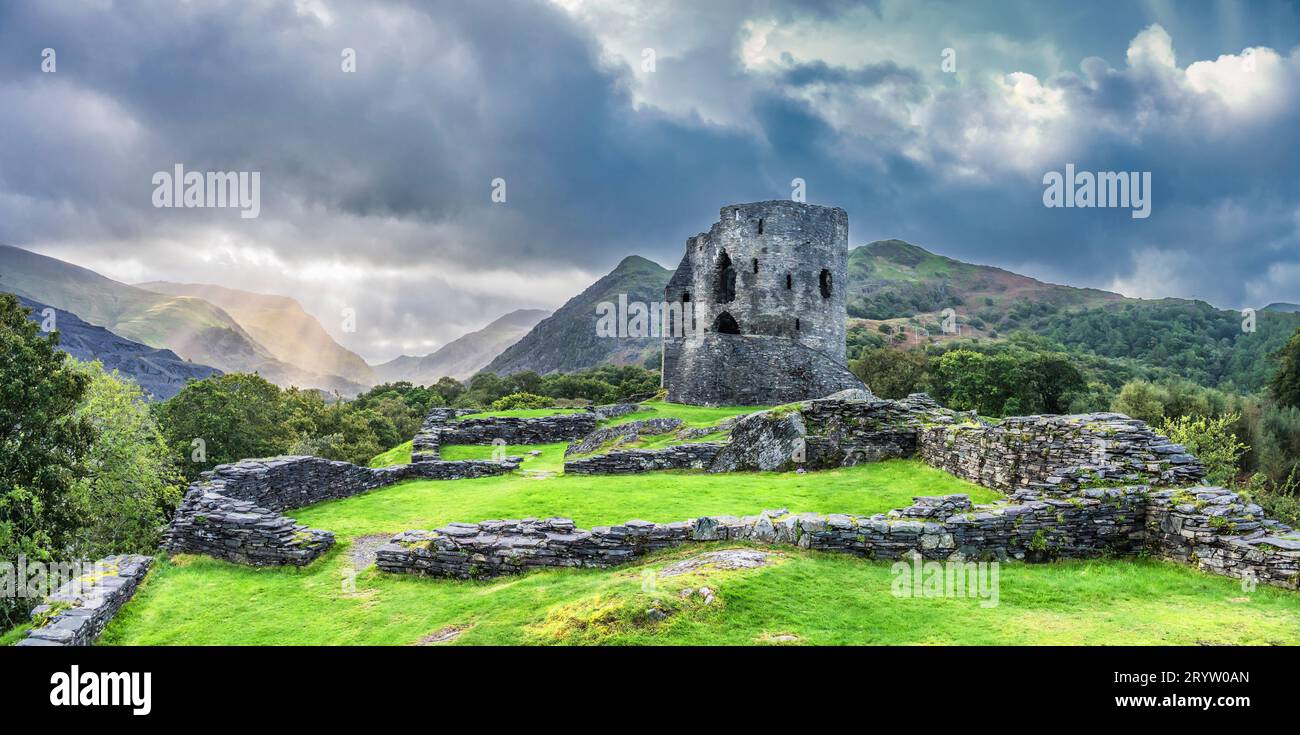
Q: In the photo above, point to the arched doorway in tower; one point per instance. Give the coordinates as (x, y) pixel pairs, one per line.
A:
(726, 324)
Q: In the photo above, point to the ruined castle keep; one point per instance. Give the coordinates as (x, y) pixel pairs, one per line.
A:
(765, 290)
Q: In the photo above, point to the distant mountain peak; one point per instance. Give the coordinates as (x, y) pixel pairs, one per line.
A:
(566, 341)
(461, 358)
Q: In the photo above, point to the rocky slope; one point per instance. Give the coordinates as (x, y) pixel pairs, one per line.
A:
(159, 372)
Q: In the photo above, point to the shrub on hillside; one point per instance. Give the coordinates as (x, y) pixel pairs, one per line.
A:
(1285, 385)
(1277, 442)
(1140, 400)
(1212, 441)
(1280, 500)
(522, 400)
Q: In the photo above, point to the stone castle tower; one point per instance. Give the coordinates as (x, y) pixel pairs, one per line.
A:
(766, 288)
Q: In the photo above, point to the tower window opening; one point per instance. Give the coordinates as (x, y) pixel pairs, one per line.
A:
(726, 324)
(760, 226)
(725, 289)
(789, 282)
(796, 324)
(824, 282)
(755, 262)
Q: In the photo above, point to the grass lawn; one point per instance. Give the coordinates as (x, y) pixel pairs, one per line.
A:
(694, 416)
(400, 454)
(820, 598)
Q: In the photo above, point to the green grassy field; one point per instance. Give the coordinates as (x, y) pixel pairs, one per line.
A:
(816, 598)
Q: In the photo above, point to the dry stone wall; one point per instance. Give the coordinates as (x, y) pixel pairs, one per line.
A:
(76, 613)
(1029, 526)
(234, 511)
(610, 436)
(694, 456)
(1063, 452)
(1219, 531)
(442, 426)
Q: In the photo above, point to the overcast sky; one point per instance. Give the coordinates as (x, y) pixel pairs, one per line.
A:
(376, 185)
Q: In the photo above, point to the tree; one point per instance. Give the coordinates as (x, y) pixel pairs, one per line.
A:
(1140, 400)
(1277, 443)
(225, 418)
(1285, 385)
(132, 485)
(43, 445)
(891, 373)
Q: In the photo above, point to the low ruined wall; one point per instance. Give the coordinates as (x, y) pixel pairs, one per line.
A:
(442, 426)
(77, 612)
(1030, 527)
(845, 429)
(493, 548)
(1217, 530)
(240, 531)
(848, 431)
(1102, 521)
(560, 427)
(233, 512)
(695, 456)
(1059, 451)
(621, 433)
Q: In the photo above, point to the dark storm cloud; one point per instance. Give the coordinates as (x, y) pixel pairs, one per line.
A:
(387, 171)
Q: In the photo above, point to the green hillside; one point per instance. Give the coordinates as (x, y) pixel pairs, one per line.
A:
(897, 292)
(891, 279)
(193, 328)
(566, 341)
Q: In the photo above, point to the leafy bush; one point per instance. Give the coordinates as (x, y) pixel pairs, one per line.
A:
(1277, 442)
(522, 400)
(1285, 385)
(1140, 400)
(1212, 441)
(1008, 382)
(1280, 501)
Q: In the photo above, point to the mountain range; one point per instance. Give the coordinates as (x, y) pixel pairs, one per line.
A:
(280, 324)
(463, 357)
(897, 294)
(159, 372)
(193, 328)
